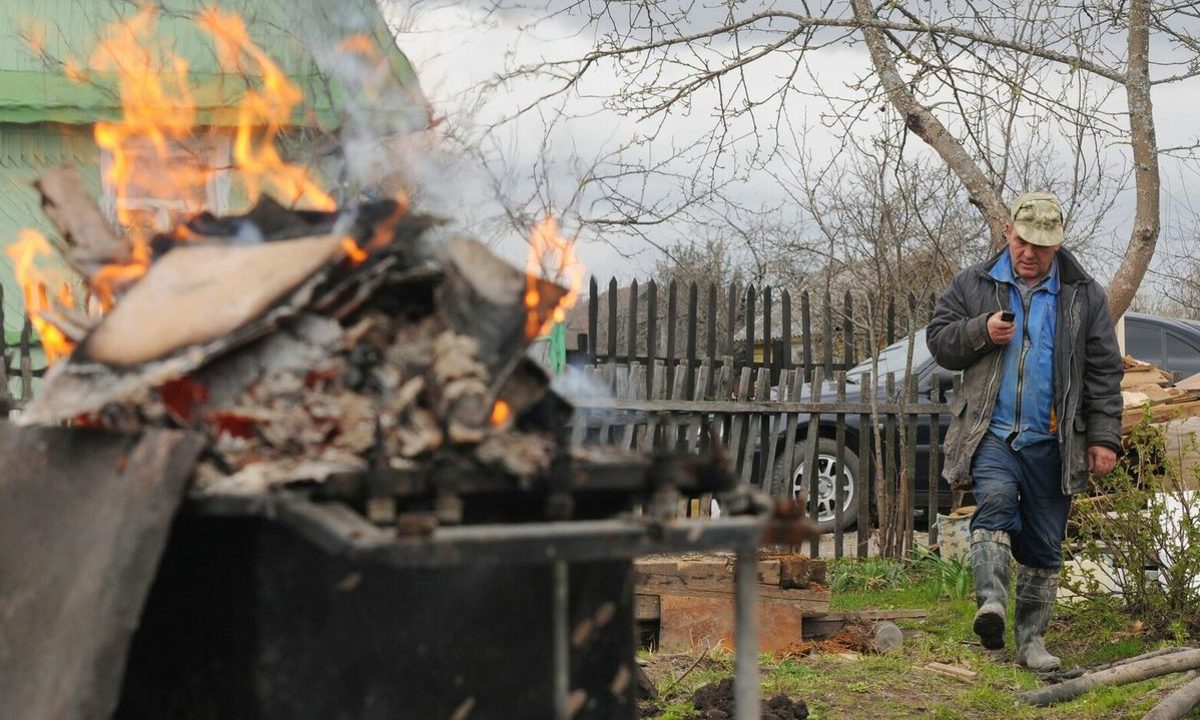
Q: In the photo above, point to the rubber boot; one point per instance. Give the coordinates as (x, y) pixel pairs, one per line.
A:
(1036, 592)
(990, 557)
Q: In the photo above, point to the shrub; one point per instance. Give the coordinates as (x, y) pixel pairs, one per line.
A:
(1140, 538)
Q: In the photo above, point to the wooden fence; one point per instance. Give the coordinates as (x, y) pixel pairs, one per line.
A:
(16, 362)
(756, 327)
(769, 429)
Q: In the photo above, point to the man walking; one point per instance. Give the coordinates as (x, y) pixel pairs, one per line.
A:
(1040, 407)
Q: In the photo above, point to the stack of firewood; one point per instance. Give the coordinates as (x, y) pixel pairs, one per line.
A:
(1146, 388)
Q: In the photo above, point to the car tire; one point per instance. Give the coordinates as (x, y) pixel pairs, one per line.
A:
(827, 468)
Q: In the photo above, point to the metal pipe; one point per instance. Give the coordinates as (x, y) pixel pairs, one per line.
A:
(561, 635)
(745, 678)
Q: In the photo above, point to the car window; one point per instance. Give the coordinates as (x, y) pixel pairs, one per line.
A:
(1180, 356)
(1143, 341)
(893, 357)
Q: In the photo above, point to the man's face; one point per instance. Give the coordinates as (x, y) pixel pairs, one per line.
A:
(1030, 261)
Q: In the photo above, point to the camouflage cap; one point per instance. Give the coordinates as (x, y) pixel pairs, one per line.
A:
(1038, 218)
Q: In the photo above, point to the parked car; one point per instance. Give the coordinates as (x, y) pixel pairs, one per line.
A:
(1172, 344)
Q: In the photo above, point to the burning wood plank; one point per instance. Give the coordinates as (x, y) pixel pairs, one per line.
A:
(194, 295)
(89, 242)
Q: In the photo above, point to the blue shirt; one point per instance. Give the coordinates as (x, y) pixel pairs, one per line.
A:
(1025, 399)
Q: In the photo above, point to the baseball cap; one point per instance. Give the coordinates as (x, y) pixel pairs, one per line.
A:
(1038, 218)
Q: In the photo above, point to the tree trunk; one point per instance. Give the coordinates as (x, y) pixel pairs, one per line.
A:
(1144, 236)
(1120, 675)
(921, 122)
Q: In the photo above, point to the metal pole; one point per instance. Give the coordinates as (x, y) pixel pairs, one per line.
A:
(745, 679)
(562, 648)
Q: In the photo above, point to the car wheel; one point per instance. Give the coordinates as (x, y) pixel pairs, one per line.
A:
(827, 473)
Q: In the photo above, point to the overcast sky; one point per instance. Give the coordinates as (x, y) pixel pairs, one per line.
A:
(457, 46)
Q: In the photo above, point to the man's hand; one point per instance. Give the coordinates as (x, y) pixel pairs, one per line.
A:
(1101, 460)
(999, 331)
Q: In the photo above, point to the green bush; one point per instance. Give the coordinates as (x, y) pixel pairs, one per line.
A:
(1139, 538)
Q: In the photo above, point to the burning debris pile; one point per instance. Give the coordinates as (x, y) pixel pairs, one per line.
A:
(344, 348)
(306, 343)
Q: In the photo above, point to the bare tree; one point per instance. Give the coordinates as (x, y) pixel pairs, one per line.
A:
(974, 81)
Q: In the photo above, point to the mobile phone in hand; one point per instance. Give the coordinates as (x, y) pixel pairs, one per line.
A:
(1008, 315)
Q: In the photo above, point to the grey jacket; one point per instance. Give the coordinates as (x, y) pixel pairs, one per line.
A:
(1087, 367)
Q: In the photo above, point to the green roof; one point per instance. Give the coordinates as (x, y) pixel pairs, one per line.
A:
(299, 35)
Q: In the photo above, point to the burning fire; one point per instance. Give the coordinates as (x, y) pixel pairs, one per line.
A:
(156, 152)
(500, 413)
(551, 256)
(261, 116)
(29, 246)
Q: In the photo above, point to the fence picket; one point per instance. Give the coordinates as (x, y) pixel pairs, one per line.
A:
(786, 321)
(734, 442)
(695, 420)
(670, 429)
(775, 424)
(612, 320)
(635, 389)
(652, 327)
(935, 471)
(839, 491)
(730, 320)
(865, 428)
(768, 358)
(672, 322)
(693, 325)
(806, 328)
(631, 334)
(762, 387)
(811, 461)
(647, 438)
(750, 302)
(827, 335)
(784, 483)
(26, 362)
(593, 319)
(848, 332)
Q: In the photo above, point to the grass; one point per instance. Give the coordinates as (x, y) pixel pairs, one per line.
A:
(882, 687)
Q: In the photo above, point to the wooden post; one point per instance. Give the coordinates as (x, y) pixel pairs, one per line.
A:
(864, 469)
(711, 355)
(811, 461)
(593, 319)
(827, 333)
(26, 362)
(652, 328)
(935, 471)
(731, 319)
(786, 321)
(612, 321)
(766, 333)
(848, 332)
(839, 491)
(693, 325)
(631, 353)
(750, 298)
(806, 328)
(672, 323)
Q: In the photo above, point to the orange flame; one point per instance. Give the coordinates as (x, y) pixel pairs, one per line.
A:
(30, 245)
(500, 412)
(552, 256)
(352, 250)
(158, 113)
(261, 116)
